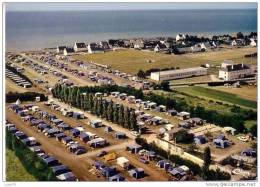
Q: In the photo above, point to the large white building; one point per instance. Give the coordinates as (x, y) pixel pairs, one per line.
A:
(230, 71)
(178, 74)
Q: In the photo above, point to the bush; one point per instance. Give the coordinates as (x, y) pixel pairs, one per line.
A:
(26, 96)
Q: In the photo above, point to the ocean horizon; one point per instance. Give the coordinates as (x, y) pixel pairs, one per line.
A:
(45, 29)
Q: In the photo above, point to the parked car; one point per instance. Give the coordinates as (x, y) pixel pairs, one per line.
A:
(242, 138)
(101, 153)
(135, 133)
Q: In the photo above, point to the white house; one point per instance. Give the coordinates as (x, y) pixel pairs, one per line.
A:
(68, 51)
(234, 43)
(157, 48)
(235, 71)
(253, 42)
(60, 49)
(95, 48)
(180, 37)
(78, 47)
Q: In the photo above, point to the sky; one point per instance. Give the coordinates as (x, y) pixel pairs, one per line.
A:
(123, 6)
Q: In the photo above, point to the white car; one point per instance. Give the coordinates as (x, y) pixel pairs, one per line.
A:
(242, 138)
(135, 133)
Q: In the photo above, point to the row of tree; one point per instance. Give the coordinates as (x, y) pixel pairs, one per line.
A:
(85, 99)
(32, 163)
(12, 69)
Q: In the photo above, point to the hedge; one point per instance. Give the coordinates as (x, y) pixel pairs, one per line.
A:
(32, 163)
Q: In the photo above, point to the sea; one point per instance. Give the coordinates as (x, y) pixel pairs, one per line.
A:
(38, 30)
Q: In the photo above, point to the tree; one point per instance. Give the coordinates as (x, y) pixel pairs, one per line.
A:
(121, 115)
(207, 161)
(165, 85)
(133, 121)
(141, 74)
(115, 114)
(207, 157)
(110, 111)
(127, 118)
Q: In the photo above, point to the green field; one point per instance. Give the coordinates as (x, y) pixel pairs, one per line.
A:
(15, 170)
(217, 96)
(131, 61)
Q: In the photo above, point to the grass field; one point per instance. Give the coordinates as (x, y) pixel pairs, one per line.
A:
(246, 92)
(131, 61)
(15, 170)
(218, 96)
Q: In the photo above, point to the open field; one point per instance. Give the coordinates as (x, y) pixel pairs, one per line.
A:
(246, 92)
(131, 61)
(14, 168)
(191, 79)
(218, 95)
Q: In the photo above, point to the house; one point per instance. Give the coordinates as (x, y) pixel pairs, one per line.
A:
(183, 115)
(180, 37)
(95, 48)
(201, 139)
(104, 45)
(134, 148)
(253, 42)
(235, 71)
(221, 141)
(68, 51)
(60, 49)
(123, 162)
(136, 173)
(120, 135)
(116, 178)
(79, 47)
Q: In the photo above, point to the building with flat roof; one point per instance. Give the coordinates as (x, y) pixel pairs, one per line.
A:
(234, 71)
(178, 74)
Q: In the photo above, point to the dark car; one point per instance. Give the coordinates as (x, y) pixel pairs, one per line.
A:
(80, 151)
(101, 153)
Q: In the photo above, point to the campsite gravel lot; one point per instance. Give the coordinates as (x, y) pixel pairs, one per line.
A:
(80, 167)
